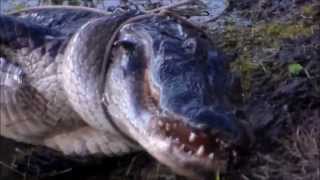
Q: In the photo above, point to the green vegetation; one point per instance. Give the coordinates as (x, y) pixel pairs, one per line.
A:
(311, 11)
(217, 176)
(74, 2)
(268, 35)
(256, 44)
(280, 30)
(295, 69)
(19, 6)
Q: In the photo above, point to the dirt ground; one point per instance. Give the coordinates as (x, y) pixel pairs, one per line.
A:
(275, 45)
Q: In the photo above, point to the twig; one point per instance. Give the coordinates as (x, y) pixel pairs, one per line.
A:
(11, 168)
(57, 173)
(131, 165)
(217, 177)
(67, 7)
(311, 79)
(172, 6)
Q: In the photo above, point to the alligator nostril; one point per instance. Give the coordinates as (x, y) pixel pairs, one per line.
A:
(221, 122)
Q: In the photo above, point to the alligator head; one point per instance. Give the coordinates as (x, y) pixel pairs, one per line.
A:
(167, 88)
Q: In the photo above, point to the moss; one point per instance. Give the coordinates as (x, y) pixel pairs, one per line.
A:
(277, 30)
(310, 10)
(246, 67)
(231, 37)
(267, 35)
(74, 2)
(19, 6)
(250, 43)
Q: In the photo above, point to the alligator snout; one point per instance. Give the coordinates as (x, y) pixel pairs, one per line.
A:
(171, 85)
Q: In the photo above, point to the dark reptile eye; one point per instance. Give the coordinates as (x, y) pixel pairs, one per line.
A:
(133, 62)
(127, 45)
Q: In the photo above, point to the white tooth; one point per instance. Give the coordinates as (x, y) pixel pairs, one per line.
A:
(175, 125)
(160, 123)
(234, 153)
(192, 137)
(211, 156)
(225, 145)
(167, 126)
(177, 140)
(182, 147)
(201, 126)
(190, 152)
(200, 151)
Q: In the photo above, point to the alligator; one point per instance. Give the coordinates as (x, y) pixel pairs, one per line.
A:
(86, 82)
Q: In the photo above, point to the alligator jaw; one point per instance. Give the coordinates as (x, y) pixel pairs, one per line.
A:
(188, 150)
(166, 89)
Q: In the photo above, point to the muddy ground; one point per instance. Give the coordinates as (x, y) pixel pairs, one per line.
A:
(275, 47)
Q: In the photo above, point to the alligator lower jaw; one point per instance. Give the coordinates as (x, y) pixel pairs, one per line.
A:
(185, 163)
(187, 151)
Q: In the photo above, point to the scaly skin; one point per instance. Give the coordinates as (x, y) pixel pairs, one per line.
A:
(166, 88)
(46, 106)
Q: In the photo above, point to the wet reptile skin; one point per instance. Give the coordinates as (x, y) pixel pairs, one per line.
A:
(165, 88)
(40, 95)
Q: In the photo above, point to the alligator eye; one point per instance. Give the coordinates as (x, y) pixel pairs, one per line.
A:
(126, 44)
(133, 57)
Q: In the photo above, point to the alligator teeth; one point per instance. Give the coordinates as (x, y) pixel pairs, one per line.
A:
(200, 151)
(167, 126)
(192, 137)
(211, 156)
(160, 123)
(222, 143)
(234, 153)
(175, 125)
(201, 126)
(225, 145)
(190, 152)
(182, 147)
